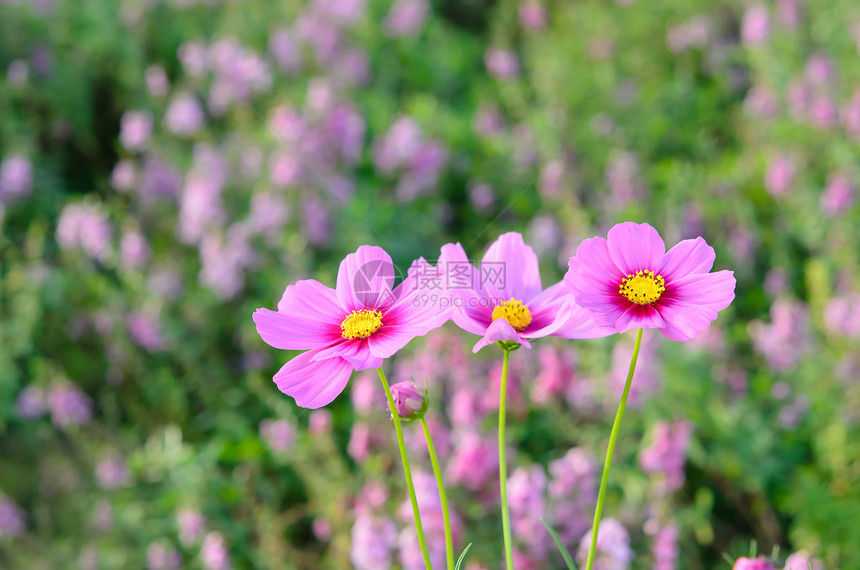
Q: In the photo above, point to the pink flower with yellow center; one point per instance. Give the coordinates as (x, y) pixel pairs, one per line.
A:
(629, 280)
(364, 320)
(503, 299)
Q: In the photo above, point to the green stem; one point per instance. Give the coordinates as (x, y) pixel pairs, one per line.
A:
(406, 471)
(601, 495)
(503, 469)
(443, 496)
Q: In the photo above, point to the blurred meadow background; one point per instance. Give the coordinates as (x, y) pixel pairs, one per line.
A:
(168, 166)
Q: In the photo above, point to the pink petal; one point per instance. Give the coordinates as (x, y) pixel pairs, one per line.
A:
(294, 332)
(683, 321)
(356, 351)
(312, 383)
(592, 269)
(635, 247)
(312, 298)
(713, 290)
(500, 330)
(686, 258)
(510, 269)
(580, 324)
(402, 323)
(549, 312)
(365, 279)
(639, 317)
(605, 309)
(473, 317)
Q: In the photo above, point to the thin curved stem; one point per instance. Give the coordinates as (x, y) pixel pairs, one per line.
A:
(398, 428)
(503, 468)
(443, 496)
(601, 495)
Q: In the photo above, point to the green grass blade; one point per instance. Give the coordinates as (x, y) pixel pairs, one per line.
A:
(560, 546)
(463, 556)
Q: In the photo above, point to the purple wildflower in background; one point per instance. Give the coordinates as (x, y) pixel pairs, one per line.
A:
(629, 281)
(30, 403)
(819, 70)
(135, 130)
(532, 15)
(353, 327)
(841, 316)
(133, 250)
(779, 176)
(422, 171)
(184, 116)
(112, 473)
(269, 214)
(284, 50)
(665, 548)
(482, 197)
(501, 63)
(85, 227)
(823, 113)
(572, 491)
(649, 377)
(398, 146)
(68, 405)
(161, 556)
(224, 258)
(373, 542)
(158, 179)
(755, 27)
(406, 18)
(200, 204)
(624, 181)
(103, 516)
(613, 547)
(430, 507)
(191, 525)
(838, 195)
(278, 434)
(693, 33)
(788, 13)
(18, 72)
(551, 178)
(12, 520)
(786, 338)
(474, 461)
(16, 176)
(850, 116)
(157, 83)
(528, 504)
(144, 330)
(503, 299)
(213, 553)
(667, 454)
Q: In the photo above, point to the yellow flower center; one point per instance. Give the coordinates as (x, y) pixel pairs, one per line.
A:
(513, 311)
(361, 324)
(643, 288)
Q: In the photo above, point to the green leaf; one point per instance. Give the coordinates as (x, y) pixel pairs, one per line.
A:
(463, 556)
(560, 546)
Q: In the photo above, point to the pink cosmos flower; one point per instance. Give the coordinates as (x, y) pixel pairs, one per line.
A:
(353, 327)
(629, 281)
(503, 299)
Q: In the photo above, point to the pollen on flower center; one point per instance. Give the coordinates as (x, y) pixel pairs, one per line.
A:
(643, 287)
(513, 311)
(361, 324)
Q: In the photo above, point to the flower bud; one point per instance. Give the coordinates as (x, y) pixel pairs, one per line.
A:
(409, 402)
(744, 563)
